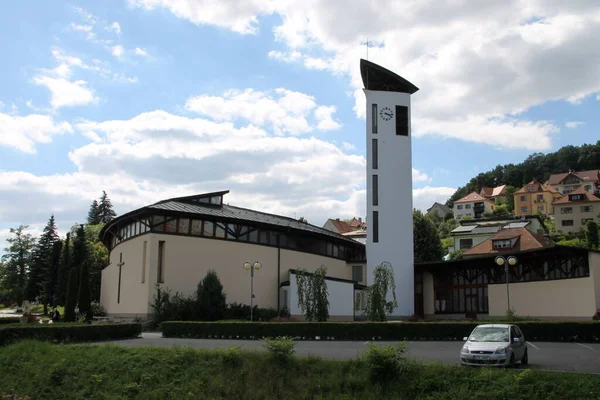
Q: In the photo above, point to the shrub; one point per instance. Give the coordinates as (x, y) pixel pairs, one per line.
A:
(68, 333)
(280, 349)
(385, 362)
(537, 330)
(97, 309)
(231, 356)
(239, 311)
(10, 320)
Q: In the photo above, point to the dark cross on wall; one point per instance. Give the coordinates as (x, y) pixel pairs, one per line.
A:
(120, 264)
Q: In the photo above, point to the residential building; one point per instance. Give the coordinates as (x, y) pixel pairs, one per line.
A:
(535, 198)
(440, 210)
(472, 205)
(570, 181)
(497, 194)
(472, 232)
(341, 226)
(575, 209)
(359, 236)
(509, 241)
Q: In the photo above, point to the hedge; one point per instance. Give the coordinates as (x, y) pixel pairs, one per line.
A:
(10, 320)
(533, 331)
(59, 333)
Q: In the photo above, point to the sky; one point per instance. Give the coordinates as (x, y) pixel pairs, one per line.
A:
(153, 99)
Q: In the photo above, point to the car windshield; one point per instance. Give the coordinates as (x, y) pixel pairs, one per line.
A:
(489, 335)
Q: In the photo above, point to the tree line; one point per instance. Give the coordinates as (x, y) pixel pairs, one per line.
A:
(537, 166)
(56, 271)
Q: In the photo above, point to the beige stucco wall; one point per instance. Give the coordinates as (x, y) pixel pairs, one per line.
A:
(134, 293)
(577, 215)
(188, 259)
(595, 275)
(570, 298)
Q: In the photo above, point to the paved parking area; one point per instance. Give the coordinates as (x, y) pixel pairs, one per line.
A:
(571, 357)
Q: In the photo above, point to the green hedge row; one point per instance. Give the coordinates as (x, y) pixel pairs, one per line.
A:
(10, 320)
(533, 331)
(67, 333)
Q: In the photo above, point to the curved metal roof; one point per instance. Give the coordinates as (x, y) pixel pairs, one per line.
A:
(191, 206)
(375, 77)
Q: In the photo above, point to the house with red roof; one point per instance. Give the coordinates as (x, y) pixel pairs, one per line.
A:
(573, 210)
(570, 181)
(472, 205)
(535, 198)
(510, 241)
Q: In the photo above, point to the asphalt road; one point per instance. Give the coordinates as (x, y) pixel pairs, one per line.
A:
(568, 357)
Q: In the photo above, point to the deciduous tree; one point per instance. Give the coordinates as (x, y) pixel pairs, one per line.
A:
(313, 297)
(427, 243)
(377, 293)
(593, 239)
(16, 260)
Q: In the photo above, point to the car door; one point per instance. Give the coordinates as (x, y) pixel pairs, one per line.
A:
(522, 344)
(517, 347)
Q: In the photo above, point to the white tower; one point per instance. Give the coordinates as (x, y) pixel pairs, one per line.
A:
(389, 179)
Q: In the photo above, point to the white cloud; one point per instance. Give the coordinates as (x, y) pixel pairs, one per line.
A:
(285, 111)
(115, 27)
(81, 28)
(573, 124)
(117, 50)
(419, 176)
(141, 52)
(287, 57)
(22, 133)
(348, 146)
(478, 67)
(423, 198)
(64, 91)
(241, 17)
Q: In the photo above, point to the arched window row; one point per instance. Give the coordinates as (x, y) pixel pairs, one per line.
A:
(240, 233)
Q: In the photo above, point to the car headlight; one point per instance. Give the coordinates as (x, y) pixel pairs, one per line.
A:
(465, 349)
(501, 350)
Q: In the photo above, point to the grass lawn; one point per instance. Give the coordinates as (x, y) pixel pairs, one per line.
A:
(42, 370)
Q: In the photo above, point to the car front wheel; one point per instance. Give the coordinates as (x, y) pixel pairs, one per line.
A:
(525, 359)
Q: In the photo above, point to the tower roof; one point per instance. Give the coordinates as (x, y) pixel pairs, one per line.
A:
(375, 77)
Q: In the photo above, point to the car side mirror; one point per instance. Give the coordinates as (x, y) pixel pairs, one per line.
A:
(465, 338)
(516, 340)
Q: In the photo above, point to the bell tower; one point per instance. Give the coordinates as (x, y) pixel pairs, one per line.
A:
(389, 179)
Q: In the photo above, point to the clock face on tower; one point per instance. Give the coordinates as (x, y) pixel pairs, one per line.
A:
(386, 113)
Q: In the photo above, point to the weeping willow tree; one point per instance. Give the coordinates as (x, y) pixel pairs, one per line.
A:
(377, 293)
(313, 298)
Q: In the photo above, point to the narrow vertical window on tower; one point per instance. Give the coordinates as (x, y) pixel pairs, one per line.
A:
(402, 120)
(374, 155)
(375, 226)
(375, 190)
(374, 117)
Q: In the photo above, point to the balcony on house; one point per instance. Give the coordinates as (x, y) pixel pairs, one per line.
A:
(478, 209)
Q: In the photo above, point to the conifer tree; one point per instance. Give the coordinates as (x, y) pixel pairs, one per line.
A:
(84, 295)
(70, 303)
(105, 209)
(93, 217)
(42, 270)
(64, 268)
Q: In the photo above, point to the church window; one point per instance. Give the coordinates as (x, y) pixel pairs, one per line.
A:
(145, 248)
(197, 227)
(209, 229)
(375, 162)
(375, 190)
(184, 226)
(375, 226)
(161, 261)
(219, 230)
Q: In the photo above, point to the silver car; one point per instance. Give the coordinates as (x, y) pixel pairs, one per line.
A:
(498, 345)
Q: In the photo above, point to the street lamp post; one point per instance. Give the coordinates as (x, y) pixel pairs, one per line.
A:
(501, 261)
(252, 267)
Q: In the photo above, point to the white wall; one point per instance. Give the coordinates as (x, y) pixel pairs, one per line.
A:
(341, 298)
(395, 198)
